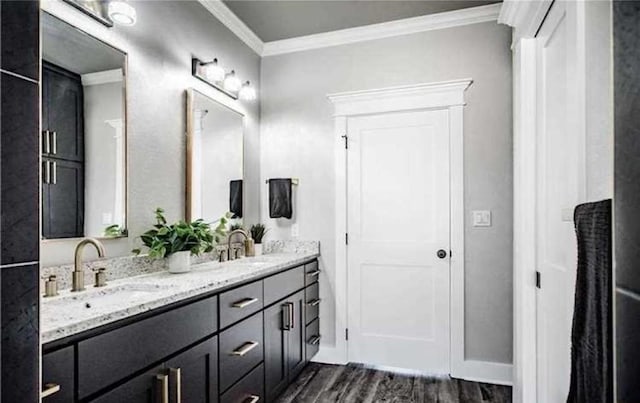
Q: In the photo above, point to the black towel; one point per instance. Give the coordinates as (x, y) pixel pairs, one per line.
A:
(235, 198)
(591, 336)
(280, 205)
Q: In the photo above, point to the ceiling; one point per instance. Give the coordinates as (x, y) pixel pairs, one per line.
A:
(272, 20)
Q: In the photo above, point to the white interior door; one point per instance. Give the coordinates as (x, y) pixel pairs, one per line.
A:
(398, 219)
(560, 187)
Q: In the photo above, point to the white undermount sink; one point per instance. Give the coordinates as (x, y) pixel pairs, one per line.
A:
(93, 297)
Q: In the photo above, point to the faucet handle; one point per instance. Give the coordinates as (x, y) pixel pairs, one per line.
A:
(51, 286)
(100, 277)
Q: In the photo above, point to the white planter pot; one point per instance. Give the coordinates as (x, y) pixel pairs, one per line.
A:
(258, 249)
(179, 262)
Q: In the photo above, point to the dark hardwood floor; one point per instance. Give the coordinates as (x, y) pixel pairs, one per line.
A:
(356, 384)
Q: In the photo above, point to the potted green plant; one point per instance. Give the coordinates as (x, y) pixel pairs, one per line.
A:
(257, 233)
(177, 242)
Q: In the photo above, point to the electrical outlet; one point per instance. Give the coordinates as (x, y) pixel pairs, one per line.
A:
(295, 231)
(482, 218)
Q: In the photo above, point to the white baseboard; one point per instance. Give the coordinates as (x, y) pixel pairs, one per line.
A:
(486, 371)
(330, 355)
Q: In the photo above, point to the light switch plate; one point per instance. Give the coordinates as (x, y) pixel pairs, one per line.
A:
(481, 218)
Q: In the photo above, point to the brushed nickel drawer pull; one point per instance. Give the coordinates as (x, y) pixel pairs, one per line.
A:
(252, 399)
(46, 147)
(49, 389)
(245, 348)
(292, 316)
(162, 388)
(54, 143)
(314, 302)
(313, 273)
(314, 340)
(176, 384)
(54, 173)
(245, 302)
(45, 172)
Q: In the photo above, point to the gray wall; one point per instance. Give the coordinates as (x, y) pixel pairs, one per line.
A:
(160, 47)
(297, 140)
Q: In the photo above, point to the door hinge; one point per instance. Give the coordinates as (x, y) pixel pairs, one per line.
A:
(346, 238)
(346, 141)
(346, 334)
(538, 279)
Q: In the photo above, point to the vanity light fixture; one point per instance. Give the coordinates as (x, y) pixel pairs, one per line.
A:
(213, 71)
(231, 82)
(247, 92)
(122, 12)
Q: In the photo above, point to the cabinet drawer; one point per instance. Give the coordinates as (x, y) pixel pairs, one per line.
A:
(241, 348)
(312, 337)
(249, 390)
(311, 273)
(109, 357)
(58, 369)
(283, 284)
(312, 302)
(240, 303)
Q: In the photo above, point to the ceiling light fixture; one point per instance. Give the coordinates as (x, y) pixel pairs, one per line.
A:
(247, 92)
(122, 12)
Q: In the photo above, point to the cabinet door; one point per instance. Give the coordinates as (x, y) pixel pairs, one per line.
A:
(58, 369)
(296, 342)
(193, 375)
(149, 387)
(63, 199)
(63, 113)
(275, 350)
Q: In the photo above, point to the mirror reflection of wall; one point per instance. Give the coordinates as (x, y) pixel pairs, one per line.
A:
(83, 134)
(216, 160)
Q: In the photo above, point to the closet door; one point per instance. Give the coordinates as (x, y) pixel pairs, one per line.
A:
(63, 199)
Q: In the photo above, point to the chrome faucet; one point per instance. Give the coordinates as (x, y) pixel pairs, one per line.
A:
(230, 255)
(78, 273)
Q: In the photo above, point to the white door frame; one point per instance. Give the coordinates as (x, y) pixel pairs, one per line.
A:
(441, 95)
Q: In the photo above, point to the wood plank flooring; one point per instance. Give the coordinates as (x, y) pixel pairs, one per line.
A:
(358, 384)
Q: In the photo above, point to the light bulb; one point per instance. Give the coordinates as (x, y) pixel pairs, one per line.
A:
(122, 13)
(231, 82)
(213, 71)
(247, 92)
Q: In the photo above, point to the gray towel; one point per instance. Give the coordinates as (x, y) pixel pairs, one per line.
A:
(591, 335)
(235, 198)
(280, 204)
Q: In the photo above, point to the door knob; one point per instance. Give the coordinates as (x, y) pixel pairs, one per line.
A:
(442, 253)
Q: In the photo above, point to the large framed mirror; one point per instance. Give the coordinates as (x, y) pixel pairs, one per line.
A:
(84, 134)
(215, 158)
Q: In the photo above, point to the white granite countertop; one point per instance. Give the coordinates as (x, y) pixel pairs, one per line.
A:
(71, 313)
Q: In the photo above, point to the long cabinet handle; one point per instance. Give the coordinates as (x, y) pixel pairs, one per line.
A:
(292, 316)
(53, 179)
(286, 316)
(49, 389)
(314, 340)
(245, 302)
(46, 145)
(245, 348)
(313, 273)
(45, 172)
(162, 388)
(175, 378)
(314, 302)
(252, 399)
(54, 143)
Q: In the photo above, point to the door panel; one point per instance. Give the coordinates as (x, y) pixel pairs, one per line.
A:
(275, 351)
(63, 200)
(398, 218)
(198, 369)
(295, 354)
(560, 181)
(141, 389)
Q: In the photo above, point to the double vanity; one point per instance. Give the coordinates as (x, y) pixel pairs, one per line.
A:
(231, 332)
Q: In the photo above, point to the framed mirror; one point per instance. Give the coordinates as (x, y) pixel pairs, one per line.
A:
(84, 134)
(215, 158)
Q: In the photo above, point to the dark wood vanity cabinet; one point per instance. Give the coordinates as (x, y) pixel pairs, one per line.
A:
(231, 347)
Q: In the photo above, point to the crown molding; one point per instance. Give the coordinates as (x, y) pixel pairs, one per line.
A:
(524, 16)
(102, 77)
(235, 24)
(388, 29)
